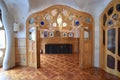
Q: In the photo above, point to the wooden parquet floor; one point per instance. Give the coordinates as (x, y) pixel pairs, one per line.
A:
(56, 67)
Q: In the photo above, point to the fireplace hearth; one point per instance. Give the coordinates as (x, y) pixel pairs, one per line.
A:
(58, 48)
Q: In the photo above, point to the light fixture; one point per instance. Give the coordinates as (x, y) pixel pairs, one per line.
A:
(16, 27)
(59, 21)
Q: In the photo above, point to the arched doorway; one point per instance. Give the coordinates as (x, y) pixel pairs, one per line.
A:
(60, 24)
(110, 38)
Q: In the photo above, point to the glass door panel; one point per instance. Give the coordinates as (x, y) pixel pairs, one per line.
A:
(118, 41)
(118, 65)
(110, 62)
(111, 40)
(103, 37)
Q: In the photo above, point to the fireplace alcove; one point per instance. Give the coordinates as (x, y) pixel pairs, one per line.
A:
(58, 48)
(60, 28)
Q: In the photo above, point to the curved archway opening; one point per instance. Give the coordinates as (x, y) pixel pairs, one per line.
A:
(60, 24)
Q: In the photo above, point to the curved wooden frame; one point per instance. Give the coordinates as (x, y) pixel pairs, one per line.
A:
(106, 27)
(86, 46)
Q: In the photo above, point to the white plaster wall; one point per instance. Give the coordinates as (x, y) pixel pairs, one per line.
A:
(22, 9)
(7, 18)
(19, 9)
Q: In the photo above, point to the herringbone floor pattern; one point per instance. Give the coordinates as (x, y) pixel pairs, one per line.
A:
(56, 67)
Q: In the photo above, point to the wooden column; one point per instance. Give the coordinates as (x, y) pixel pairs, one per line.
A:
(81, 51)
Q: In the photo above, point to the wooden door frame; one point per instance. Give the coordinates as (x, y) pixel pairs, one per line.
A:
(81, 16)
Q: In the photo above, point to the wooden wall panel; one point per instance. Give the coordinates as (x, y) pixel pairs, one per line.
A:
(80, 21)
(87, 55)
(73, 41)
(20, 51)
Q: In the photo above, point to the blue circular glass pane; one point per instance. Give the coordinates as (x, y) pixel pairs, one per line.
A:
(110, 22)
(77, 23)
(42, 23)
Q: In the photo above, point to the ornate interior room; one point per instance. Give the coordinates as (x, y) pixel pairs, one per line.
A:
(59, 40)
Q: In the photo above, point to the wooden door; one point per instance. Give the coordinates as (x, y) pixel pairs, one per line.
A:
(86, 48)
(33, 50)
(112, 53)
(31, 53)
(110, 38)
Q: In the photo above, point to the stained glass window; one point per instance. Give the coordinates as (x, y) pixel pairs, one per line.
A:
(111, 40)
(110, 62)
(77, 23)
(110, 11)
(104, 19)
(104, 37)
(118, 7)
(118, 41)
(118, 67)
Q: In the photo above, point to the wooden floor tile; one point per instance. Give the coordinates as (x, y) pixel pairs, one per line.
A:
(56, 67)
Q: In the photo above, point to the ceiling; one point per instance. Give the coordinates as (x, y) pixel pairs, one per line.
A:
(94, 7)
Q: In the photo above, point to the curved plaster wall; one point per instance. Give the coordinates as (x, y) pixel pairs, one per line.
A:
(9, 59)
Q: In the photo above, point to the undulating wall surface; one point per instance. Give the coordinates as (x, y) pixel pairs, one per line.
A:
(22, 9)
(20, 51)
(9, 59)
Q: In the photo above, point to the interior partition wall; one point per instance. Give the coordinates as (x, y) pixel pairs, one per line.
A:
(60, 24)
